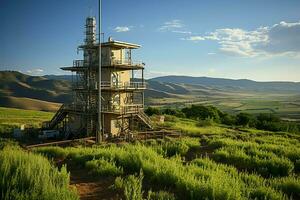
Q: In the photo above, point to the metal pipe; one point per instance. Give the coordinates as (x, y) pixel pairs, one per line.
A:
(99, 130)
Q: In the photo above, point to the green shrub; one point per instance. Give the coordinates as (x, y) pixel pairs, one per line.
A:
(205, 122)
(297, 166)
(160, 195)
(174, 112)
(118, 184)
(264, 163)
(228, 119)
(152, 111)
(27, 176)
(6, 130)
(263, 193)
(246, 119)
(289, 185)
(52, 152)
(200, 179)
(170, 118)
(190, 142)
(7, 143)
(170, 147)
(131, 186)
(174, 148)
(101, 167)
(202, 112)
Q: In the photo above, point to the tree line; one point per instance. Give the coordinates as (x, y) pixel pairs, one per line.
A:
(262, 121)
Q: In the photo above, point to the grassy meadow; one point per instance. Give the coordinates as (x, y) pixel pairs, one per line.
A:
(20, 116)
(210, 161)
(25, 175)
(232, 165)
(13, 118)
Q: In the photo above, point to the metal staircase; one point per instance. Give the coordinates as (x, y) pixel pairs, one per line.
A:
(58, 117)
(144, 118)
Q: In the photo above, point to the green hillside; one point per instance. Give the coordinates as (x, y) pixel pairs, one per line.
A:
(208, 161)
(11, 118)
(46, 93)
(17, 85)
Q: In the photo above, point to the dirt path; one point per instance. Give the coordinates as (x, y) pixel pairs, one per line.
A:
(92, 188)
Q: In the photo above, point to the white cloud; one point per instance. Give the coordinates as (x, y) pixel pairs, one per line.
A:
(211, 53)
(286, 24)
(174, 24)
(284, 39)
(279, 39)
(194, 38)
(183, 32)
(122, 29)
(35, 71)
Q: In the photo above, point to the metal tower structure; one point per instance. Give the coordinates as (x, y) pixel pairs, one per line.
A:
(108, 97)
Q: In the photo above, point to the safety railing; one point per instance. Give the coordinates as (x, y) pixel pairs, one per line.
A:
(126, 62)
(79, 63)
(123, 85)
(131, 108)
(112, 62)
(132, 85)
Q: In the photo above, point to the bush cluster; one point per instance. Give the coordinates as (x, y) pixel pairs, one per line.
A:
(102, 167)
(200, 179)
(259, 154)
(207, 115)
(28, 176)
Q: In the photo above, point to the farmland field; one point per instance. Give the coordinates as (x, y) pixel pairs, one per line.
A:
(285, 106)
(207, 162)
(13, 118)
(20, 116)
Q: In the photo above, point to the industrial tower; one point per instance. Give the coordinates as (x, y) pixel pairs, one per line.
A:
(121, 92)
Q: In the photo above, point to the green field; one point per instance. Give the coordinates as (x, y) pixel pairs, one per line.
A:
(13, 118)
(20, 116)
(285, 106)
(208, 162)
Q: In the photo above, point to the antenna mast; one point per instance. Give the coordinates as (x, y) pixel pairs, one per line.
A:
(99, 135)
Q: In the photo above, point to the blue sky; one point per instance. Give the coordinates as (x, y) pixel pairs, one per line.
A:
(257, 40)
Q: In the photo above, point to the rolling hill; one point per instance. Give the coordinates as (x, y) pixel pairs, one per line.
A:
(48, 92)
(32, 92)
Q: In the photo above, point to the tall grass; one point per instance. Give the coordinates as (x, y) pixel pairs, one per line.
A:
(289, 185)
(262, 162)
(131, 186)
(265, 158)
(160, 195)
(102, 167)
(201, 179)
(13, 116)
(189, 127)
(172, 147)
(27, 176)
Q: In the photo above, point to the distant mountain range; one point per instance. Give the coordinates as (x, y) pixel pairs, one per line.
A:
(48, 92)
(241, 84)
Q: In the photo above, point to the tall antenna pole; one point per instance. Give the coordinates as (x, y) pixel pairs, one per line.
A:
(99, 130)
